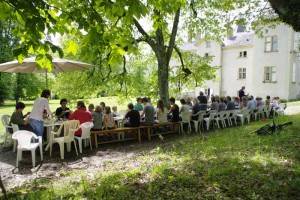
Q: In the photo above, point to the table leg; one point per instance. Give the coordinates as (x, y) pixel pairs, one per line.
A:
(149, 133)
(139, 136)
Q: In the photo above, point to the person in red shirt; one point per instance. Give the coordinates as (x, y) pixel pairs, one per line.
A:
(82, 115)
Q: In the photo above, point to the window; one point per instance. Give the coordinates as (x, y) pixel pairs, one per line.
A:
(206, 55)
(270, 74)
(243, 54)
(208, 44)
(297, 42)
(294, 73)
(271, 43)
(242, 73)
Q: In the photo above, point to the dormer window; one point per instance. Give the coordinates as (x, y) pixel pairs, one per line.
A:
(243, 54)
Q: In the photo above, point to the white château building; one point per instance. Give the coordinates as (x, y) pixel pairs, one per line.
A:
(265, 65)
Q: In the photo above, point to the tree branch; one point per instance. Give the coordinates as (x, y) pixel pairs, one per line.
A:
(185, 70)
(179, 54)
(148, 39)
(173, 35)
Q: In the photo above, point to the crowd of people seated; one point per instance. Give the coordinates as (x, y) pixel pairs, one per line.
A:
(142, 113)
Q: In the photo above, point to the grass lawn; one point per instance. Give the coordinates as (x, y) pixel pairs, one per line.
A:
(232, 163)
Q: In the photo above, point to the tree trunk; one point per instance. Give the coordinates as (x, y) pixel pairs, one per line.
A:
(163, 77)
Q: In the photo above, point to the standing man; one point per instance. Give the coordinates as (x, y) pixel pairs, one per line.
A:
(40, 109)
(242, 92)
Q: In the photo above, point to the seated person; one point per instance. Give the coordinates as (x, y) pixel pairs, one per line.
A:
(91, 108)
(196, 108)
(161, 112)
(222, 104)
(214, 103)
(184, 106)
(259, 102)
(102, 104)
(19, 119)
(132, 117)
(244, 102)
(174, 111)
(202, 101)
(268, 101)
(230, 104)
(138, 106)
(108, 119)
(251, 104)
(148, 112)
(63, 111)
(237, 102)
(202, 98)
(81, 114)
(97, 119)
(115, 111)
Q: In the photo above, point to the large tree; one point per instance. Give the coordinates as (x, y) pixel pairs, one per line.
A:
(109, 30)
(288, 11)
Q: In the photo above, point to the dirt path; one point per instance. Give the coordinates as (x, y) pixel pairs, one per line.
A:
(53, 167)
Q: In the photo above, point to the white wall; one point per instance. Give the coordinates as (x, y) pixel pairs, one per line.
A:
(231, 62)
(227, 82)
(294, 87)
(214, 50)
(278, 59)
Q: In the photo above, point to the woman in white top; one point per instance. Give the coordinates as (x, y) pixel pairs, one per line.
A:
(40, 110)
(184, 111)
(108, 120)
(161, 112)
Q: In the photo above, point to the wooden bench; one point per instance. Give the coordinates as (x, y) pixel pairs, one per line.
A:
(116, 131)
(137, 130)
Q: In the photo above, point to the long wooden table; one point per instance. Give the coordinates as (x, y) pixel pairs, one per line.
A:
(148, 130)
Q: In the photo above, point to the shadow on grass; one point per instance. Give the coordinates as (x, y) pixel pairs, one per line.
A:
(231, 164)
(197, 179)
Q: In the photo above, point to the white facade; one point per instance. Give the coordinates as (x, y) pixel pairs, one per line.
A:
(265, 65)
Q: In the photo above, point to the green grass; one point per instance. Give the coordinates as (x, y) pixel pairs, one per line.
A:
(225, 164)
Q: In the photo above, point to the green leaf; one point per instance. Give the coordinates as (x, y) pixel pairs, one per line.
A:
(71, 47)
(44, 62)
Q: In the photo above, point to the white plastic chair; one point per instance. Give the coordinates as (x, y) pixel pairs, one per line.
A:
(186, 119)
(5, 122)
(85, 134)
(222, 117)
(15, 128)
(211, 119)
(198, 123)
(233, 117)
(281, 108)
(267, 111)
(259, 113)
(244, 115)
(69, 128)
(24, 139)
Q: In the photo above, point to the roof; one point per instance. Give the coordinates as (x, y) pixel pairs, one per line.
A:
(239, 39)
